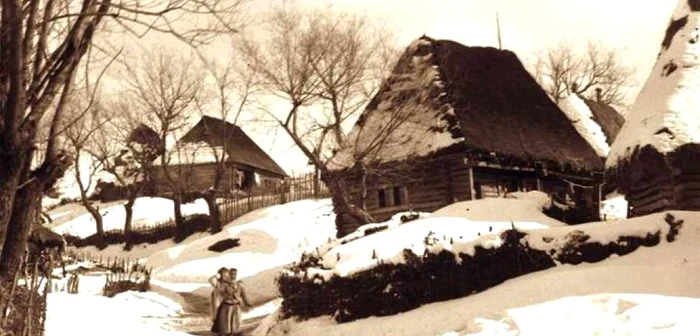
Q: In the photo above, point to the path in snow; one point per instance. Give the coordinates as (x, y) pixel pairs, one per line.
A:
(195, 319)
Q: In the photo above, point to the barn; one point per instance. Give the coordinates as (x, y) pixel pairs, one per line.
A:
(214, 143)
(455, 123)
(655, 160)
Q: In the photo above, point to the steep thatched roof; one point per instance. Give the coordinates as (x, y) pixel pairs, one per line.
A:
(493, 107)
(607, 117)
(239, 147)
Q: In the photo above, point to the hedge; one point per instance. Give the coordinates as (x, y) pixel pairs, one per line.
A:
(389, 289)
(192, 225)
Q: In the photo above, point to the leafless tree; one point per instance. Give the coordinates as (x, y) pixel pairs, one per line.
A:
(326, 65)
(79, 132)
(597, 72)
(41, 45)
(229, 95)
(125, 148)
(164, 88)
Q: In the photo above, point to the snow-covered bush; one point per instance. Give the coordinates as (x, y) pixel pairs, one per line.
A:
(443, 274)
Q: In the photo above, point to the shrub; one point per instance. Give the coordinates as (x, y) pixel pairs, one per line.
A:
(388, 289)
(375, 229)
(392, 288)
(113, 288)
(192, 225)
(158, 233)
(225, 244)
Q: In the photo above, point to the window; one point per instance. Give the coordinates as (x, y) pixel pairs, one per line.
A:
(397, 196)
(382, 198)
(391, 196)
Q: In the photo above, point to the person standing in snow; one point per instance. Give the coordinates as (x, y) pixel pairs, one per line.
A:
(215, 282)
(233, 301)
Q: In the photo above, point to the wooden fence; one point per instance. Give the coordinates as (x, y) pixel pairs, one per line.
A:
(296, 188)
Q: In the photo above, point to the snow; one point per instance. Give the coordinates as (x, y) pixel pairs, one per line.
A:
(406, 130)
(388, 245)
(129, 313)
(614, 297)
(582, 118)
(269, 238)
(147, 211)
(666, 113)
(456, 226)
(521, 206)
(614, 207)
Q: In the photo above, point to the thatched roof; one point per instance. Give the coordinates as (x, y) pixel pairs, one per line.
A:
(495, 109)
(607, 117)
(666, 114)
(240, 148)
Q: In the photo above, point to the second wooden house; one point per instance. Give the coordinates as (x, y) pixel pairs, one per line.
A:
(214, 144)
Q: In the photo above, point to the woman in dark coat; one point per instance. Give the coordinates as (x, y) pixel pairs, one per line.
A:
(228, 316)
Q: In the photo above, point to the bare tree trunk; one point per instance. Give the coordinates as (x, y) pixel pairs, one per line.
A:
(129, 210)
(99, 227)
(179, 219)
(9, 174)
(24, 215)
(210, 197)
(343, 206)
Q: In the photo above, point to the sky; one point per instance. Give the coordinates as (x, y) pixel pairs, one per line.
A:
(635, 27)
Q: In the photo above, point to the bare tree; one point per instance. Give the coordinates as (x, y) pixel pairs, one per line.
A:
(325, 65)
(230, 94)
(164, 89)
(125, 148)
(41, 46)
(80, 134)
(597, 72)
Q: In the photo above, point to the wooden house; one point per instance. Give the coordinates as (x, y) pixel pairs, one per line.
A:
(655, 159)
(214, 143)
(455, 123)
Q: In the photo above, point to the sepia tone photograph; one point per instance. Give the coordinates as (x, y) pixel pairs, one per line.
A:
(349, 167)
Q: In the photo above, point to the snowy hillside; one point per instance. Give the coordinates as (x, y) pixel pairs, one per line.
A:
(269, 238)
(147, 211)
(666, 113)
(582, 118)
(615, 294)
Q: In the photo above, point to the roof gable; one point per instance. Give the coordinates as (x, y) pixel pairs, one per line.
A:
(239, 147)
(491, 104)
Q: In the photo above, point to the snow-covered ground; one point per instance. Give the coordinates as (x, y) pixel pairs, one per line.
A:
(90, 313)
(269, 238)
(616, 296)
(587, 299)
(147, 211)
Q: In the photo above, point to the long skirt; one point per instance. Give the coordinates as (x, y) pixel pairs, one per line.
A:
(215, 302)
(228, 319)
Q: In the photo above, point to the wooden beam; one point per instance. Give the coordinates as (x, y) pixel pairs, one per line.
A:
(472, 191)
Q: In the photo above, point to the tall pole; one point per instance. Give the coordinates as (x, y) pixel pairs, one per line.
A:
(498, 30)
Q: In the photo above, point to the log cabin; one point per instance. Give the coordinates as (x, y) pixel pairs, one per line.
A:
(197, 154)
(655, 159)
(454, 123)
